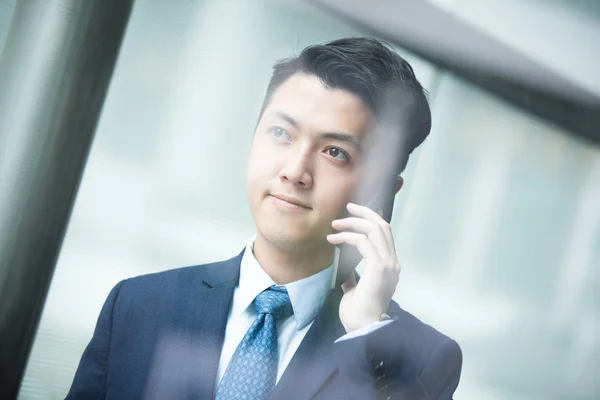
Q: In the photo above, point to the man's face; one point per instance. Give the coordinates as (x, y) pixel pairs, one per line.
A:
(305, 161)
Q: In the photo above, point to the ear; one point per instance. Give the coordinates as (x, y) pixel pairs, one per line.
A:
(399, 183)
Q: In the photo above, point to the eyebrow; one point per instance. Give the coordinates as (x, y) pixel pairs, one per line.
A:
(342, 137)
(338, 136)
(287, 118)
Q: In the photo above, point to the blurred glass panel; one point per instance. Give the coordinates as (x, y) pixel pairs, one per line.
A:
(562, 35)
(500, 236)
(7, 8)
(497, 227)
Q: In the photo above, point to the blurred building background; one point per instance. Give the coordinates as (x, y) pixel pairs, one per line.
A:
(497, 228)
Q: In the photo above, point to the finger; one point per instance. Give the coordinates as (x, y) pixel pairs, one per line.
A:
(349, 283)
(364, 212)
(372, 216)
(357, 224)
(371, 229)
(387, 231)
(365, 246)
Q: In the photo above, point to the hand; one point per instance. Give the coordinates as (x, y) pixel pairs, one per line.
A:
(365, 302)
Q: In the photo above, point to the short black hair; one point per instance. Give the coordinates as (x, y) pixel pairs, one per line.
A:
(365, 67)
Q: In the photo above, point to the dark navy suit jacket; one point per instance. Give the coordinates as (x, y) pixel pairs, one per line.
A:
(159, 336)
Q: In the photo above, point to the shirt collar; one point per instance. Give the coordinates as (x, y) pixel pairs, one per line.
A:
(307, 295)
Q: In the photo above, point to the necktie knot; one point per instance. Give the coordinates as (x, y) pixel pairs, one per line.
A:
(275, 301)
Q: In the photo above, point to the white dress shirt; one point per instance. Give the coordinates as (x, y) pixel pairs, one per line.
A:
(307, 296)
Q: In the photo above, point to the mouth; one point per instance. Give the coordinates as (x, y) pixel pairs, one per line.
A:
(288, 202)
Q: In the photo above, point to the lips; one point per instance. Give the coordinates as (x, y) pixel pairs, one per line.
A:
(291, 200)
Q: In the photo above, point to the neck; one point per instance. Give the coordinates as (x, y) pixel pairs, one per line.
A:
(285, 265)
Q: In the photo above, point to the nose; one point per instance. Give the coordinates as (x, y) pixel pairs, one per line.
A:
(296, 171)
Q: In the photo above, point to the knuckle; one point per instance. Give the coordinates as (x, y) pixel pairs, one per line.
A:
(384, 224)
(371, 226)
(360, 238)
(380, 225)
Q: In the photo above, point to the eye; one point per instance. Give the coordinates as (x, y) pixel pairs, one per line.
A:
(337, 153)
(279, 133)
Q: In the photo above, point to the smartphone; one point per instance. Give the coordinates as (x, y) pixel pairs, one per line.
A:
(346, 257)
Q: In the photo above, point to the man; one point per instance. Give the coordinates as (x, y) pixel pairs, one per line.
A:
(266, 323)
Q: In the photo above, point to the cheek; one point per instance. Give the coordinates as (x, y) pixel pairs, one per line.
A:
(336, 196)
(261, 168)
(256, 156)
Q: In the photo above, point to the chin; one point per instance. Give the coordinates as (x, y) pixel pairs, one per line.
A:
(288, 238)
(282, 238)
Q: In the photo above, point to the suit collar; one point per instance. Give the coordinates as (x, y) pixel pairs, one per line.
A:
(225, 271)
(198, 317)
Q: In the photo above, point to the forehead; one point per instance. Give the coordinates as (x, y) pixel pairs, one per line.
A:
(319, 108)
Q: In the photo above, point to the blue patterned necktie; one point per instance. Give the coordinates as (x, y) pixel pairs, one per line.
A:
(252, 371)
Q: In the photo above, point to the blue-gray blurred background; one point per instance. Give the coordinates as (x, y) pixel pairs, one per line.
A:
(497, 228)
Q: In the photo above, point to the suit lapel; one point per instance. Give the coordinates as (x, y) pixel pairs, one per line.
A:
(192, 344)
(313, 363)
